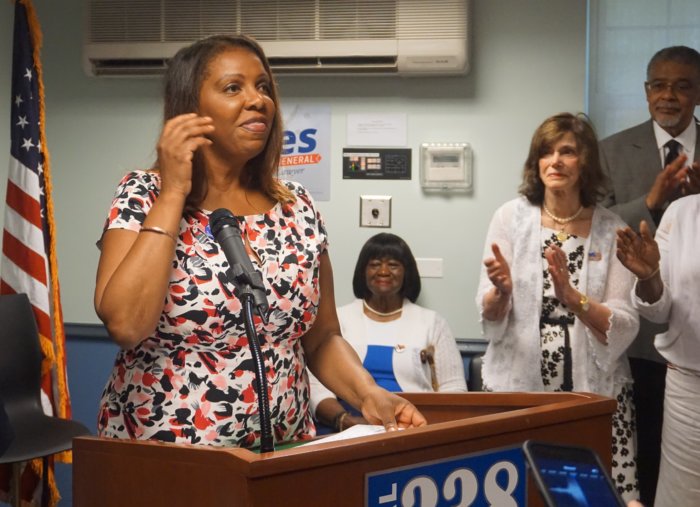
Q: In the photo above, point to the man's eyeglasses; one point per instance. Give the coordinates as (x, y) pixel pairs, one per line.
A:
(677, 87)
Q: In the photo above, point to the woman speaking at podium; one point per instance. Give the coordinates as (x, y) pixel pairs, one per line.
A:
(164, 290)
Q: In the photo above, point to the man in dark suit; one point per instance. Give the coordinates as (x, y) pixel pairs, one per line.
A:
(647, 166)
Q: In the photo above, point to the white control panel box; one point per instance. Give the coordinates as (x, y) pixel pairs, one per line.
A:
(446, 166)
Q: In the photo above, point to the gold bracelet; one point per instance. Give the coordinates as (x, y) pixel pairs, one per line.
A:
(652, 275)
(583, 304)
(338, 420)
(159, 230)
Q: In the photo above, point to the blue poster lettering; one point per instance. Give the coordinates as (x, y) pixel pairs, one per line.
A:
(307, 141)
(289, 139)
(305, 144)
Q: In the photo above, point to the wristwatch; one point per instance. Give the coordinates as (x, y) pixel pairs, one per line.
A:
(583, 303)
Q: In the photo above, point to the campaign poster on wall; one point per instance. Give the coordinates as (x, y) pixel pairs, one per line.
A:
(307, 146)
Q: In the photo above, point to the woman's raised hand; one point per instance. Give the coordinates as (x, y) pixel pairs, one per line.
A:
(181, 137)
(638, 252)
(498, 271)
(559, 272)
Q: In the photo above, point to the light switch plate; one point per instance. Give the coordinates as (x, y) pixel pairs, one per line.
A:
(375, 211)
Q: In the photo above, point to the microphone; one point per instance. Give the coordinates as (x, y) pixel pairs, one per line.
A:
(251, 291)
(227, 233)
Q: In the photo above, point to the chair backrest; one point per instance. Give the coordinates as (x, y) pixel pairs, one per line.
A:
(20, 352)
(475, 382)
(6, 431)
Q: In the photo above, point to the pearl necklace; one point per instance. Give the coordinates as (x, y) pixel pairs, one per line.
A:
(381, 314)
(562, 220)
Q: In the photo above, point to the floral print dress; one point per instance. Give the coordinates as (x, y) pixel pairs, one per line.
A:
(192, 380)
(554, 322)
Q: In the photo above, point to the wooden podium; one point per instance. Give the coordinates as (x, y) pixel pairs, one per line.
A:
(110, 472)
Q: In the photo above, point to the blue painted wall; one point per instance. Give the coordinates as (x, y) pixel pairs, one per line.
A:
(89, 363)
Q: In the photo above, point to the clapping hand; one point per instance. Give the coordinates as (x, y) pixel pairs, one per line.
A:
(668, 183)
(559, 271)
(691, 185)
(498, 271)
(638, 252)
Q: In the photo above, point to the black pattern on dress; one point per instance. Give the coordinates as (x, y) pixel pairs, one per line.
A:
(552, 346)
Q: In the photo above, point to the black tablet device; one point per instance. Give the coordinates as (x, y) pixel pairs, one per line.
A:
(569, 476)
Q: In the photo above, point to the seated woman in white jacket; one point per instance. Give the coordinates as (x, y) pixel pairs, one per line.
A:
(406, 348)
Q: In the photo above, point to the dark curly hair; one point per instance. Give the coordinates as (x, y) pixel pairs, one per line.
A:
(183, 80)
(592, 179)
(387, 246)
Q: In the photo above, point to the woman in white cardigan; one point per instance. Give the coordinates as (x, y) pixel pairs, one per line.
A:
(406, 348)
(553, 298)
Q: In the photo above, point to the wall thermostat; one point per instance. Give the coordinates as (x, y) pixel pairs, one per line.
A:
(446, 166)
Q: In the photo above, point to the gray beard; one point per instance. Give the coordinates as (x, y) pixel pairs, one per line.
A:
(669, 122)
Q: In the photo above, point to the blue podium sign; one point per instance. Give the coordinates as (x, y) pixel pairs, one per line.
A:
(493, 478)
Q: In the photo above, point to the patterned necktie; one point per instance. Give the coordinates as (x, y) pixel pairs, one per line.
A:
(674, 149)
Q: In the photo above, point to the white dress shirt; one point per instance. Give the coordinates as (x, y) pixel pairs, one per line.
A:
(686, 138)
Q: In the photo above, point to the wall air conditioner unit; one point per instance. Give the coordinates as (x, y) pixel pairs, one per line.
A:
(401, 37)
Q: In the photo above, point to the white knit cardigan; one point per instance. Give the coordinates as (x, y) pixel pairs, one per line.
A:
(512, 359)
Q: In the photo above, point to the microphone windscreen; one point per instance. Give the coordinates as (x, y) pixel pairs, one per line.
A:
(221, 218)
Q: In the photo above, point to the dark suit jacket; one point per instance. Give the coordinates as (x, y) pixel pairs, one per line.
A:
(631, 161)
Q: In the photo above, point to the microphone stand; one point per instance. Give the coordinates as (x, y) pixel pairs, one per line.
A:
(250, 289)
(245, 287)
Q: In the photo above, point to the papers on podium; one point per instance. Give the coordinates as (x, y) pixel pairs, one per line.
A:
(359, 430)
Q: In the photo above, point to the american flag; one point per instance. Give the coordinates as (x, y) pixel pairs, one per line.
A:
(28, 263)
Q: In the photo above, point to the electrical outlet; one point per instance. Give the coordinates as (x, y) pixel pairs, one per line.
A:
(375, 211)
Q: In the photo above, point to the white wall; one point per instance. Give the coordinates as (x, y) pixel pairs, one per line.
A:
(528, 62)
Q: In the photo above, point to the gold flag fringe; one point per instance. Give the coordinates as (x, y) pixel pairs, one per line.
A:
(54, 352)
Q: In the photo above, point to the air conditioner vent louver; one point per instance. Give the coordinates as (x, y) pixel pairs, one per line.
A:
(312, 36)
(334, 65)
(133, 67)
